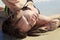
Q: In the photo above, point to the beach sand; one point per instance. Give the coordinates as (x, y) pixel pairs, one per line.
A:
(53, 35)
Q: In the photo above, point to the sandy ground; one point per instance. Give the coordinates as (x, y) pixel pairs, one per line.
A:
(53, 35)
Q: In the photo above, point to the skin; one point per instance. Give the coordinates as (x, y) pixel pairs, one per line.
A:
(29, 18)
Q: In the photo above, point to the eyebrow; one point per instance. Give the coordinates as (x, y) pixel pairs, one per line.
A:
(29, 0)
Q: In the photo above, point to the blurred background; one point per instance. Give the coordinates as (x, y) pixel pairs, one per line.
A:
(48, 7)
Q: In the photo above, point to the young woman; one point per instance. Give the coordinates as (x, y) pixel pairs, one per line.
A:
(26, 19)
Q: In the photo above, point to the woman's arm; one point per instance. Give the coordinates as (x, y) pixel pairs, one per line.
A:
(15, 5)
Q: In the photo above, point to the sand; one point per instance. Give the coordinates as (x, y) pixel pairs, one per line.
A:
(53, 35)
